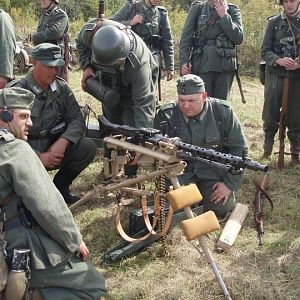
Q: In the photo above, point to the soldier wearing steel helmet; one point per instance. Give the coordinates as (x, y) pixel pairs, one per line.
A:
(53, 24)
(206, 122)
(34, 216)
(115, 56)
(151, 22)
(280, 50)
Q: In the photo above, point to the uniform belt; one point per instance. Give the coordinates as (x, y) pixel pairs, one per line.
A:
(40, 135)
(210, 42)
(12, 223)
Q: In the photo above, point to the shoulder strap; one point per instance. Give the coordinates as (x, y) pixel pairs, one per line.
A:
(219, 117)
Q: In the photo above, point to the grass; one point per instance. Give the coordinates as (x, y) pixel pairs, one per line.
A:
(271, 271)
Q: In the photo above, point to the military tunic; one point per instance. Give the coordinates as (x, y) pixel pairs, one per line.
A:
(209, 42)
(52, 107)
(53, 236)
(52, 26)
(204, 131)
(135, 81)
(7, 45)
(155, 31)
(271, 49)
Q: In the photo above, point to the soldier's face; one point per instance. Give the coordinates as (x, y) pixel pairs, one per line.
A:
(45, 3)
(20, 123)
(191, 105)
(155, 2)
(43, 74)
(291, 6)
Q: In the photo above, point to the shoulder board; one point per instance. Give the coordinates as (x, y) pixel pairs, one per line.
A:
(272, 17)
(90, 26)
(221, 102)
(61, 79)
(196, 2)
(57, 10)
(13, 83)
(167, 106)
(162, 8)
(6, 135)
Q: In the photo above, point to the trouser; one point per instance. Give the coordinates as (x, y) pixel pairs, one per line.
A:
(205, 188)
(72, 280)
(217, 84)
(272, 104)
(77, 158)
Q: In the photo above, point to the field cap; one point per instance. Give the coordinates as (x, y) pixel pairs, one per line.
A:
(16, 97)
(190, 84)
(48, 54)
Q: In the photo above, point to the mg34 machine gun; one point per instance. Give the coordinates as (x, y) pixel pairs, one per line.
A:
(167, 158)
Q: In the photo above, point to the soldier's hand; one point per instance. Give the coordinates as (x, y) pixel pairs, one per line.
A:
(88, 72)
(288, 63)
(3, 82)
(221, 7)
(51, 160)
(170, 75)
(83, 251)
(59, 146)
(186, 69)
(220, 192)
(137, 19)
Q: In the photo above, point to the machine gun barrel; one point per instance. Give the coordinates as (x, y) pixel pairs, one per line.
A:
(151, 135)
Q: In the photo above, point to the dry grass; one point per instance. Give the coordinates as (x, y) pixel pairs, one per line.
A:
(271, 271)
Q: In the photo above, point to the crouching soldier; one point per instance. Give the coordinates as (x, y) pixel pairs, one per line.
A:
(35, 222)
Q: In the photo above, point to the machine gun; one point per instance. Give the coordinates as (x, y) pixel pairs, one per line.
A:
(165, 154)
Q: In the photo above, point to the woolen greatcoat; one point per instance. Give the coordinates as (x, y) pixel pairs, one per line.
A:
(7, 45)
(156, 25)
(53, 236)
(52, 26)
(209, 43)
(271, 49)
(136, 81)
(203, 130)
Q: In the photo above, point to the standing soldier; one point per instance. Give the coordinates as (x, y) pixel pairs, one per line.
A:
(116, 60)
(52, 28)
(208, 43)
(7, 48)
(151, 22)
(280, 50)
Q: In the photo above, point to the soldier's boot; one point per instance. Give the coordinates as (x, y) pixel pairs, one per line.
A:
(62, 182)
(295, 149)
(268, 147)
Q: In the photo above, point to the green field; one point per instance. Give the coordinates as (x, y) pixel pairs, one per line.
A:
(271, 271)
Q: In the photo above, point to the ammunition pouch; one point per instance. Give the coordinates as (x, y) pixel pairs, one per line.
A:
(152, 41)
(262, 72)
(225, 48)
(105, 94)
(53, 134)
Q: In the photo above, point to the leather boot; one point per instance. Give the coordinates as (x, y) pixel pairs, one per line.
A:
(268, 147)
(295, 149)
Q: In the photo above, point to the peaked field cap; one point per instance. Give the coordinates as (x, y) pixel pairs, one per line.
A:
(16, 97)
(48, 54)
(190, 84)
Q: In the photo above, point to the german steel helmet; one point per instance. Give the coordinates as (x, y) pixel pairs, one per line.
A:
(109, 45)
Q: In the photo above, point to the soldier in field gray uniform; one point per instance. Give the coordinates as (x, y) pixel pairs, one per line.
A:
(34, 215)
(208, 43)
(280, 50)
(151, 22)
(53, 24)
(206, 122)
(7, 48)
(58, 130)
(123, 65)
